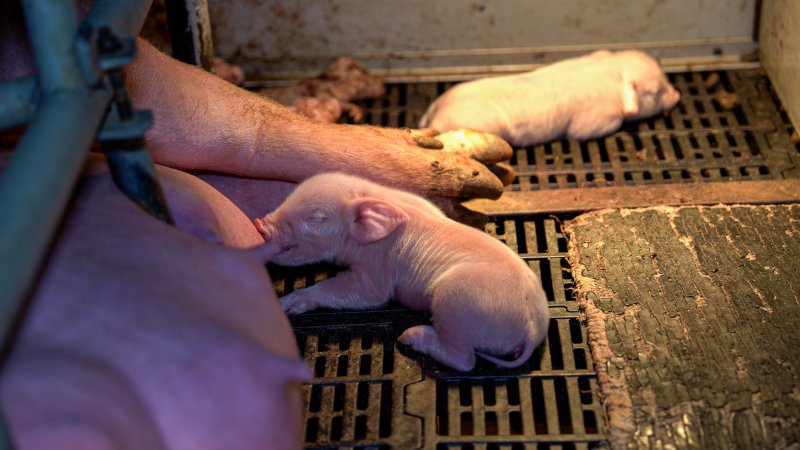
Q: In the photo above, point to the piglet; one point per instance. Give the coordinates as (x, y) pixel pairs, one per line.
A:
(331, 93)
(582, 98)
(483, 297)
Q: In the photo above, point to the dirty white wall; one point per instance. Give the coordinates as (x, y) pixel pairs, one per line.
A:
(780, 51)
(274, 38)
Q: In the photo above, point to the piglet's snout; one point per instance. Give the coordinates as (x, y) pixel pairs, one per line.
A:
(266, 228)
(671, 98)
(277, 234)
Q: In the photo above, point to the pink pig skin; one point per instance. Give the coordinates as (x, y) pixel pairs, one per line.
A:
(483, 297)
(254, 197)
(139, 335)
(581, 98)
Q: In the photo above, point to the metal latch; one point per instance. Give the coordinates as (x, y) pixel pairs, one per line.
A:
(122, 133)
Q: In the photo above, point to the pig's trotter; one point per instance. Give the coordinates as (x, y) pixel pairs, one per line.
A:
(484, 147)
(504, 172)
(424, 339)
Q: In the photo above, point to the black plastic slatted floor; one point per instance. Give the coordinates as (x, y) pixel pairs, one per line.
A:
(370, 392)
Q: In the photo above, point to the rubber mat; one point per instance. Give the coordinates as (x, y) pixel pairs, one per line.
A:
(693, 315)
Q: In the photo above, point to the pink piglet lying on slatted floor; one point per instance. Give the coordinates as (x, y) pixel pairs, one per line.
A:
(483, 296)
(582, 98)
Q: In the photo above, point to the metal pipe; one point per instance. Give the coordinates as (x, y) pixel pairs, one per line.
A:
(18, 98)
(34, 190)
(38, 181)
(125, 19)
(52, 27)
(36, 186)
(190, 32)
(41, 174)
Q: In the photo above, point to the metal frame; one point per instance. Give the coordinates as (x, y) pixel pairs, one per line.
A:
(190, 32)
(64, 107)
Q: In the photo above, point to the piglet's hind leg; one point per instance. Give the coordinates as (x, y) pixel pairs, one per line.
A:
(424, 339)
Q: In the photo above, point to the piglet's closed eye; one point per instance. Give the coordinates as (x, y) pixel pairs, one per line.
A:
(371, 219)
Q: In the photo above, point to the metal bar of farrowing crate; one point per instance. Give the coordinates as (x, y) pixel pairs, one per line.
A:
(190, 32)
(19, 98)
(38, 181)
(40, 176)
(124, 17)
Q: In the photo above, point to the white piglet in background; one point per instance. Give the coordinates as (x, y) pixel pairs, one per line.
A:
(483, 296)
(582, 98)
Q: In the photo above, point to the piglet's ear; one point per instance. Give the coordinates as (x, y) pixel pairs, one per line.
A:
(630, 99)
(371, 219)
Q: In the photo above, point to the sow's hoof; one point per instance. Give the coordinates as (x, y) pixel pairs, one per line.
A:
(484, 147)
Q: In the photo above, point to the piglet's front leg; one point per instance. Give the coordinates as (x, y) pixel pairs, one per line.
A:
(350, 290)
